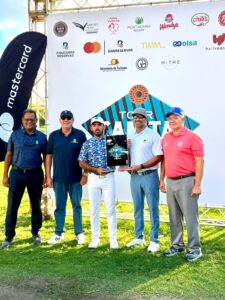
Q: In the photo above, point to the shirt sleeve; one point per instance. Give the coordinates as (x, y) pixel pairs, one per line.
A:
(83, 156)
(50, 145)
(45, 143)
(197, 146)
(10, 146)
(157, 145)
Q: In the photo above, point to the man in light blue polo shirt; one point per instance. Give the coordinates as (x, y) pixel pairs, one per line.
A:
(145, 154)
(63, 149)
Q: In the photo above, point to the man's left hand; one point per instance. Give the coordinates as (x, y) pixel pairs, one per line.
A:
(83, 180)
(196, 191)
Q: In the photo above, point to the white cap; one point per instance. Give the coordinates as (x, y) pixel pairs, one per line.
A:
(97, 119)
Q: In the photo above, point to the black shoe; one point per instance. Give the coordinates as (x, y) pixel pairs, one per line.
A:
(36, 238)
(174, 250)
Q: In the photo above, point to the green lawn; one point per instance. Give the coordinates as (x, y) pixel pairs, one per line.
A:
(68, 271)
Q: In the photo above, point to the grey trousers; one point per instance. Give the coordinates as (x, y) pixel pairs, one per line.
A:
(182, 205)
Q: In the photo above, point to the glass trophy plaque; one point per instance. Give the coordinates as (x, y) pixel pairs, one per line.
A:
(117, 151)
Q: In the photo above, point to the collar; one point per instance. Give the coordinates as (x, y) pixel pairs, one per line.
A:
(146, 128)
(60, 131)
(33, 133)
(182, 132)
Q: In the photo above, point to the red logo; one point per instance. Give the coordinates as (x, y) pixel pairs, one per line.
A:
(168, 23)
(221, 18)
(219, 39)
(94, 47)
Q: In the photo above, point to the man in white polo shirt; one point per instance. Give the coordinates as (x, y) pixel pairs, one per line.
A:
(145, 154)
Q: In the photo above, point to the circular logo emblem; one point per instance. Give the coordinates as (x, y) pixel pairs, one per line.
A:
(60, 28)
(142, 63)
(92, 47)
(138, 94)
(221, 18)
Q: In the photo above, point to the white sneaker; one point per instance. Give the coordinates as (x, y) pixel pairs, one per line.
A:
(94, 243)
(136, 242)
(81, 239)
(114, 244)
(55, 239)
(153, 247)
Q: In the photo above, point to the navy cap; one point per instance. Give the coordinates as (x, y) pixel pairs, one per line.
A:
(175, 111)
(66, 113)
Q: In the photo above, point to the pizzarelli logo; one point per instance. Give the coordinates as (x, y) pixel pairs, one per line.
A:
(169, 23)
(200, 19)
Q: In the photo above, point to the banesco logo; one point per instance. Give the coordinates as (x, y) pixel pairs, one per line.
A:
(184, 43)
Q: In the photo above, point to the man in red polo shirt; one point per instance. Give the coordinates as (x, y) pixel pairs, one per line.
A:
(183, 168)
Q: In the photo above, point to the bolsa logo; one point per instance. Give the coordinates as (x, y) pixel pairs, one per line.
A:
(139, 20)
(200, 19)
(60, 29)
(219, 39)
(138, 94)
(221, 18)
(94, 47)
(6, 126)
(119, 119)
(168, 23)
(184, 43)
(142, 63)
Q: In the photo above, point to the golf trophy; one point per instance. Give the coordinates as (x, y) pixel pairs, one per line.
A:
(117, 150)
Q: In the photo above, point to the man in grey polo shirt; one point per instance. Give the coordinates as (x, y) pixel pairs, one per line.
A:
(145, 154)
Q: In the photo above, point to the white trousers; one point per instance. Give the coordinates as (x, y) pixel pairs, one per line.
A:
(102, 187)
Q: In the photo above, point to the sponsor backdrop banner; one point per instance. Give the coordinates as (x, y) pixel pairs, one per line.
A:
(107, 63)
(18, 69)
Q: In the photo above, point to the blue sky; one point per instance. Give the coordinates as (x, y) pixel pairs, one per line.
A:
(13, 20)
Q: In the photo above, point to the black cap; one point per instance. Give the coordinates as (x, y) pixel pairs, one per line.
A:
(66, 113)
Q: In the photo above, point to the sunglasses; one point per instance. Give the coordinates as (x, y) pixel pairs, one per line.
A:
(138, 117)
(66, 117)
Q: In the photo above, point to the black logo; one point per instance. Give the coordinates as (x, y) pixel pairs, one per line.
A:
(80, 26)
(60, 28)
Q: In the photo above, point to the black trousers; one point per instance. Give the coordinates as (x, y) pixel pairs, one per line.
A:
(33, 181)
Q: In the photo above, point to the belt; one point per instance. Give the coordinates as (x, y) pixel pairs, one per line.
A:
(101, 176)
(182, 176)
(143, 173)
(24, 171)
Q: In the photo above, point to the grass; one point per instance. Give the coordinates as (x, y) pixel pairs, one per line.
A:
(68, 271)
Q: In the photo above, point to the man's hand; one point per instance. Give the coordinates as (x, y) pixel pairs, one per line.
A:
(134, 168)
(162, 186)
(83, 180)
(196, 191)
(5, 180)
(101, 171)
(49, 182)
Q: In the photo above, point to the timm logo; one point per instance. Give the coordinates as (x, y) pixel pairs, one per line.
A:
(151, 45)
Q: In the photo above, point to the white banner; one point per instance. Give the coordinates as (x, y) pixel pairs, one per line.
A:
(109, 62)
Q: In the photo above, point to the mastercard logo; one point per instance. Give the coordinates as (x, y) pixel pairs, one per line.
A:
(94, 47)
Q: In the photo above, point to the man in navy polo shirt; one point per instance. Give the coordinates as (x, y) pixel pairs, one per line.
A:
(26, 147)
(64, 147)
